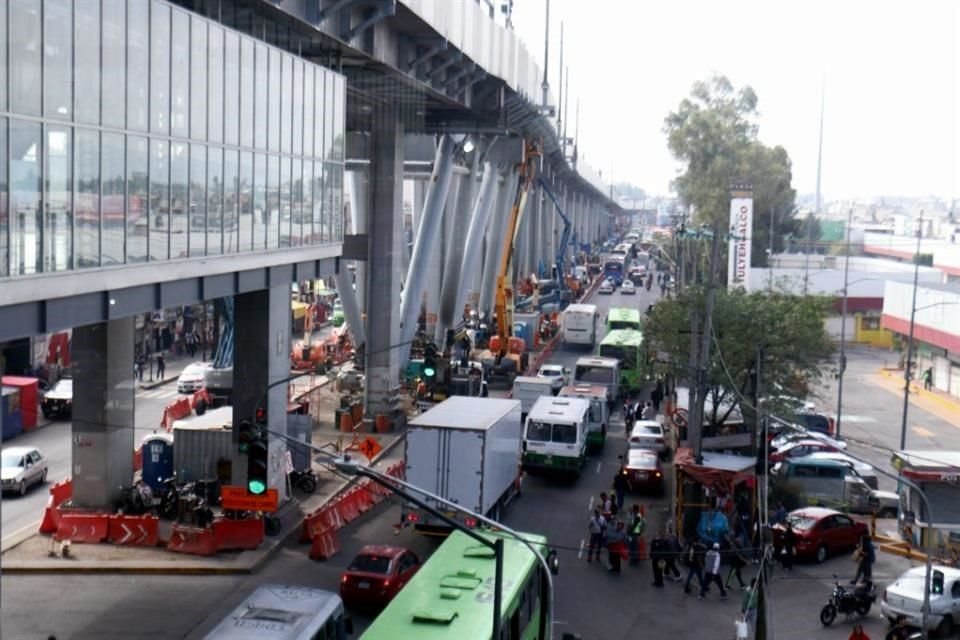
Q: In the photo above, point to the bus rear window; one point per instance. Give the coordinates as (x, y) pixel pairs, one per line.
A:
(600, 375)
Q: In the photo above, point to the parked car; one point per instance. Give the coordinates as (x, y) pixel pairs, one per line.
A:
(377, 574)
(58, 401)
(628, 288)
(193, 377)
(785, 438)
(606, 287)
(905, 598)
(799, 449)
(647, 434)
(862, 469)
(821, 533)
(559, 376)
(643, 470)
(21, 467)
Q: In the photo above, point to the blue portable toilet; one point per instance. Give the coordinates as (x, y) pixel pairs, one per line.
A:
(10, 406)
(157, 459)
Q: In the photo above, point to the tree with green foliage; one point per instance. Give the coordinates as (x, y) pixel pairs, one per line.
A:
(714, 133)
(789, 329)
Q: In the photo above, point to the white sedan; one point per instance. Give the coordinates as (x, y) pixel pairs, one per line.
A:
(606, 287)
(21, 467)
(648, 434)
(558, 374)
(194, 377)
(628, 288)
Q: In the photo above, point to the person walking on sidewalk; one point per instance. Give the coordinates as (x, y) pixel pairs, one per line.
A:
(621, 482)
(161, 366)
(674, 551)
(658, 559)
(656, 396)
(737, 563)
(712, 569)
(788, 547)
(597, 527)
(648, 412)
(927, 377)
(748, 604)
(866, 556)
(694, 555)
(617, 546)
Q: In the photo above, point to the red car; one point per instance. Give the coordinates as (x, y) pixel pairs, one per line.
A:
(800, 448)
(643, 470)
(821, 532)
(377, 574)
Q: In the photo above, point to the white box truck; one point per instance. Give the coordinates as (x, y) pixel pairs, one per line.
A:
(466, 450)
(527, 389)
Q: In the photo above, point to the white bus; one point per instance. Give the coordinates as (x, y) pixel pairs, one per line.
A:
(279, 612)
(599, 411)
(580, 324)
(595, 370)
(555, 435)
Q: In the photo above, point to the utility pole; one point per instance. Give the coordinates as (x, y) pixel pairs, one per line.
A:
(703, 354)
(545, 85)
(843, 325)
(913, 317)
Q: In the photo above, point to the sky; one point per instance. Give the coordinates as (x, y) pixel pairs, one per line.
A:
(887, 72)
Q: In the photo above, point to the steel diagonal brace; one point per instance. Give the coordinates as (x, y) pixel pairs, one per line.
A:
(386, 9)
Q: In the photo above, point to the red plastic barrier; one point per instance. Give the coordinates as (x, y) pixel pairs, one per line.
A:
(183, 539)
(198, 396)
(347, 507)
(363, 499)
(325, 546)
(177, 409)
(83, 527)
(134, 531)
(59, 492)
(237, 534)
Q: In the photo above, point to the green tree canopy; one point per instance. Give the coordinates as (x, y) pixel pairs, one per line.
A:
(790, 330)
(714, 133)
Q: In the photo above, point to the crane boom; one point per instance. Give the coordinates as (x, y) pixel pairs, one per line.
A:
(564, 237)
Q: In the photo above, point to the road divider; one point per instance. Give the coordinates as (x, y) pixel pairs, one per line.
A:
(200, 541)
(134, 531)
(84, 527)
(59, 493)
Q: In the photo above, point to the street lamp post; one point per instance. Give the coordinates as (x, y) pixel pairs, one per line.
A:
(843, 337)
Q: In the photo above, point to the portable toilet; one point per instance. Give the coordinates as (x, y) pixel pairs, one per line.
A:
(157, 459)
(10, 406)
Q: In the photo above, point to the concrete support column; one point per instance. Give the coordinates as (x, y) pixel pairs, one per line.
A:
(385, 247)
(356, 182)
(103, 398)
(456, 249)
(262, 327)
(473, 245)
(533, 230)
(496, 240)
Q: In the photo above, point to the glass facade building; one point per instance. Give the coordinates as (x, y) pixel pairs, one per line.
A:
(136, 131)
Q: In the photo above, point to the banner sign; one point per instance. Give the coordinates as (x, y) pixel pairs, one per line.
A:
(741, 236)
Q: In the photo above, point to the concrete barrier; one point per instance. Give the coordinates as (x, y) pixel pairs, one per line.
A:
(134, 531)
(83, 527)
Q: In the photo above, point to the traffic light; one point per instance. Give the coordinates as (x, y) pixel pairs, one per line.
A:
(936, 583)
(245, 436)
(429, 363)
(257, 460)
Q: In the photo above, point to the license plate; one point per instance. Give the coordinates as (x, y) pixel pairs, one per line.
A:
(641, 475)
(363, 585)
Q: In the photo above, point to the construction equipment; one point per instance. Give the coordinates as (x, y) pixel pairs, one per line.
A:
(565, 288)
(506, 356)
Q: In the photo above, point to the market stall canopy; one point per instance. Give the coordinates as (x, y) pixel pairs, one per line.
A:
(719, 470)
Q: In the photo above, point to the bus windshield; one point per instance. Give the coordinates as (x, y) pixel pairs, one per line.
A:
(594, 373)
(613, 266)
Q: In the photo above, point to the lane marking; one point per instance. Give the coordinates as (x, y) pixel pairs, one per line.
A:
(580, 552)
(920, 431)
(598, 467)
(590, 504)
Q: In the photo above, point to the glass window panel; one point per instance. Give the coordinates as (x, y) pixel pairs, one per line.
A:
(286, 104)
(231, 230)
(137, 192)
(86, 34)
(336, 198)
(58, 208)
(296, 203)
(326, 205)
(307, 237)
(215, 85)
(231, 88)
(139, 41)
(273, 109)
(113, 75)
(180, 78)
(247, 218)
(328, 116)
(24, 43)
(159, 68)
(4, 218)
(340, 101)
(286, 199)
(179, 200)
(297, 107)
(318, 195)
(247, 66)
(308, 111)
(3, 78)
(24, 141)
(159, 200)
(57, 59)
(260, 93)
(113, 198)
(198, 200)
(86, 198)
(198, 79)
(319, 121)
(261, 212)
(214, 201)
(273, 202)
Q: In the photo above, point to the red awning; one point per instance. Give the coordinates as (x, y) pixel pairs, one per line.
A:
(722, 476)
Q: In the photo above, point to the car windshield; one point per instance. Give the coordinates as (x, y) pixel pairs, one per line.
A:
(370, 564)
(64, 385)
(814, 422)
(8, 460)
(801, 522)
(194, 370)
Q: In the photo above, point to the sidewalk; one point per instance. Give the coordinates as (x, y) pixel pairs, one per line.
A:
(30, 554)
(937, 402)
(174, 367)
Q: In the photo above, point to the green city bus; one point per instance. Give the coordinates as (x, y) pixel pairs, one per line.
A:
(629, 347)
(623, 318)
(451, 596)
